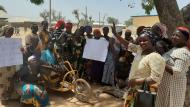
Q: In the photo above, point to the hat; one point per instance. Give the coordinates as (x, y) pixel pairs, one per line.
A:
(87, 28)
(59, 23)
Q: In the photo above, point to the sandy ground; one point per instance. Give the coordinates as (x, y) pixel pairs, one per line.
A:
(68, 99)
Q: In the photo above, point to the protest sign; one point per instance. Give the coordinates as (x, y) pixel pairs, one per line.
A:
(96, 49)
(10, 53)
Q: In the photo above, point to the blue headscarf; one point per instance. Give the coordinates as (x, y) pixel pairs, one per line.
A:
(87, 28)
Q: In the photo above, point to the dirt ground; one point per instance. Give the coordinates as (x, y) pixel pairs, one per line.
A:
(68, 99)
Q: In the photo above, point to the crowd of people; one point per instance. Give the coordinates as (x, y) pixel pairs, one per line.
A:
(152, 57)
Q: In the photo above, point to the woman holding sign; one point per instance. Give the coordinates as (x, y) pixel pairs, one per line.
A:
(97, 67)
(6, 73)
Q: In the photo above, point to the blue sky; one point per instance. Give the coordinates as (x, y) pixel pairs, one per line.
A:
(115, 8)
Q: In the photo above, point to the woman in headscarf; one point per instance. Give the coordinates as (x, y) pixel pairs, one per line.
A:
(147, 67)
(6, 73)
(160, 33)
(88, 30)
(68, 27)
(57, 36)
(39, 94)
(187, 94)
(159, 30)
(7, 31)
(96, 70)
(171, 91)
(109, 67)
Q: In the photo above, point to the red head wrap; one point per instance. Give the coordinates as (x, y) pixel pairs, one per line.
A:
(184, 29)
(59, 23)
(97, 32)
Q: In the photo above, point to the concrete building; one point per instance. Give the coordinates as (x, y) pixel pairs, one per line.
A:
(147, 20)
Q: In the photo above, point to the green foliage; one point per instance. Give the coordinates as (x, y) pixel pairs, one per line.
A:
(2, 8)
(128, 22)
(110, 20)
(148, 6)
(37, 2)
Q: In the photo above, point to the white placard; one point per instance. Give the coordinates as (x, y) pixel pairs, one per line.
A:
(96, 49)
(10, 53)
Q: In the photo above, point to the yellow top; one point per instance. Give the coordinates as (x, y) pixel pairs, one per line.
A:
(151, 65)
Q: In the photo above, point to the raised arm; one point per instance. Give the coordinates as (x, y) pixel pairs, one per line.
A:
(121, 40)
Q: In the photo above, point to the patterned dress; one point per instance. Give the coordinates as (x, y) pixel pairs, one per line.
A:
(109, 67)
(171, 91)
(29, 91)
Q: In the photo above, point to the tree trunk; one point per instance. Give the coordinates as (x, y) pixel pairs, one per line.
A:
(186, 14)
(169, 14)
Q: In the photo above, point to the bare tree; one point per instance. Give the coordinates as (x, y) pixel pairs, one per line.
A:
(77, 16)
(44, 15)
(55, 15)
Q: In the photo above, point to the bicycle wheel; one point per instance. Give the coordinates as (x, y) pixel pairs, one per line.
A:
(82, 90)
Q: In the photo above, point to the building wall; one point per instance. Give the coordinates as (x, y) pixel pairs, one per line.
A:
(144, 20)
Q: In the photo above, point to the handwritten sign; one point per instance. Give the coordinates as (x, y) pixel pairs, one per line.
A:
(96, 49)
(10, 53)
